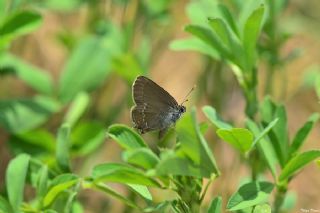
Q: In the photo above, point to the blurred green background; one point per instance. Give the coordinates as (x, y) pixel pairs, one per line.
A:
(75, 61)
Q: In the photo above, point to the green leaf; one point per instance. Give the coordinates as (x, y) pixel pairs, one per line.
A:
(194, 146)
(265, 130)
(207, 160)
(17, 24)
(263, 208)
(69, 199)
(228, 18)
(126, 137)
(302, 134)
(280, 131)
(37, 143)
(264, 146)
(208, 37)
(15, 179)
(172, 164)
(63, 144)
(42, 182)
(121, 173)
(5, 206)
(297, 163)
(142, 157)
(106, 189)
(250, 194)
(215, 205)
(38, 79)
(278, 135)
(241, 139)
(211, 114)
(203, 126)
(230, 41)
(77, 108)
(17, 116)
(141, 190)
(77, 207)
(220, 28)
(267, 110)
(194, 44)
(59, 184)
(251, 33)
(87, 67)
(62, 203)
(86, 137)
(36, 170)
(159, 207)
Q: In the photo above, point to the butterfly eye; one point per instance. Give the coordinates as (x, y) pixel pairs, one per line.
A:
(182, 109)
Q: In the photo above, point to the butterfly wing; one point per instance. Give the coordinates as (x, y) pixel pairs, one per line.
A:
(147, 91)
(152, 103)
(145, 119)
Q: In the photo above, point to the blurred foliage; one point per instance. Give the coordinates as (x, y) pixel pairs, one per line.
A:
(58, 123)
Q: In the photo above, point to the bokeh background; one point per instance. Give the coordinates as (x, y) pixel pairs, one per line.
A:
(138, 37)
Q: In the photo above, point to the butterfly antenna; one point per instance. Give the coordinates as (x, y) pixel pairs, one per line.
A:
(185, 99)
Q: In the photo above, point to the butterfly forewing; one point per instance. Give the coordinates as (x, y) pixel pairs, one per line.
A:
(147, 91)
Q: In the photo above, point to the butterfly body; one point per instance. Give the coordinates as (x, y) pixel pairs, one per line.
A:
(155, 108)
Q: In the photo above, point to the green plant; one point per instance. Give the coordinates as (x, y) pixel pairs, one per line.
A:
(234, 41)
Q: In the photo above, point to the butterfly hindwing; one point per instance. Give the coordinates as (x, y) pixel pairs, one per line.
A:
(145, 119)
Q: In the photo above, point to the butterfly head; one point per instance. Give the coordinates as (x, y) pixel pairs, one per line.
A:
(182, 109)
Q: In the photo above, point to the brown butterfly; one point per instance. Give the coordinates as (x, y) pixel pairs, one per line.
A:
(155, 108)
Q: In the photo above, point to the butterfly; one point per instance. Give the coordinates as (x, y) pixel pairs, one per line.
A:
(155, 108)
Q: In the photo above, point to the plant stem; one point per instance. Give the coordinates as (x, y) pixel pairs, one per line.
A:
(254, 161)
(251, 103)
(132, 196)
(189, 193)
(269, 80)
(279, 198)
